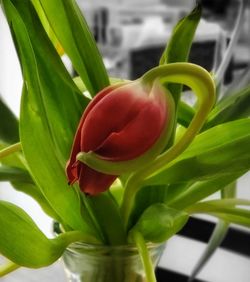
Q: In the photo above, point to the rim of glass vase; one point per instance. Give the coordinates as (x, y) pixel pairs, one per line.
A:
(80, 246)
(95, 247)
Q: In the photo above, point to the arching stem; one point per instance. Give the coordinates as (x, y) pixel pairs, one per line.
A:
(201, 82)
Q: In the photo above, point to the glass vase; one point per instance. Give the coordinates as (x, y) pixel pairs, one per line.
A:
(92, 263)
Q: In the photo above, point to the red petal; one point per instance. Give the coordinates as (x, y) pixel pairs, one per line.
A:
(125, 123)
(71, 170)
(136, 138)
(92, 182)
(111, 114)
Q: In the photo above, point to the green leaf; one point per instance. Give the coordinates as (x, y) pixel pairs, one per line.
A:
(9, 124)
(236, 216)
(217, 151)
(218, 235)
(180, 43)
(146, 197)
(22, 242)
(185, 114)
(233, 107)
(224, 210)
(47, 27)
(178, 49)
(73, 33)
(159, 222)
(50, 110)
(192, 193)
(14, 174)
(218, 205)
(215, 240)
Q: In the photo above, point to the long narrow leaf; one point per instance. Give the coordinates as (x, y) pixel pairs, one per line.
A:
(223, 210)
(20, 239)
(22, 242)
(199, 190)
(230, 214)
(180, 43)
(73, 33)
(178, 49)
(47, 27)
(206, 172)
(217, 236)
(221, 150)
(234, 107)
(46, 131)
(14, 174)
(240, 217)
(185, 114)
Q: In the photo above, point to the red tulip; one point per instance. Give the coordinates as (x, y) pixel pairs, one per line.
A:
(121, 123)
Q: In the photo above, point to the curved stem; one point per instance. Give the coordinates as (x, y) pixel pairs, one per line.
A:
(234, 38)
(200, 81)
(145, 256)
(10, 150)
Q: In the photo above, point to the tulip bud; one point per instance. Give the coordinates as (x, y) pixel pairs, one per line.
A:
(121, 125)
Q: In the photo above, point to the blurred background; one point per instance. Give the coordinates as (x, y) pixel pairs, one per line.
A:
(131, 35)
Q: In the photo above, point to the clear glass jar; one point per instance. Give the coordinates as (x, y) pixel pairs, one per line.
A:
(92, 263)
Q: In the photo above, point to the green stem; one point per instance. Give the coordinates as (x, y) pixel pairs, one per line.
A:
(201, 82)
(107, 214)
(132, 187)
(216, 204)
(8, 268)
(10, 150)
(145, 256)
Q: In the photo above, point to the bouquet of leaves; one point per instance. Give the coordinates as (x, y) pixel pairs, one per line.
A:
(142, 160)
